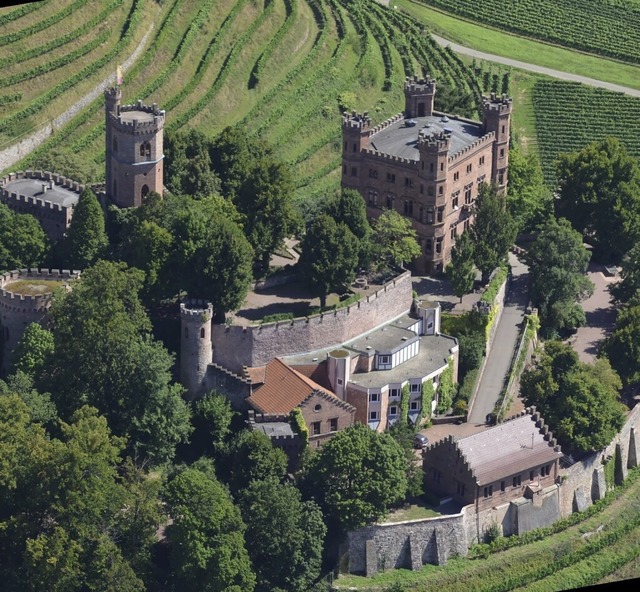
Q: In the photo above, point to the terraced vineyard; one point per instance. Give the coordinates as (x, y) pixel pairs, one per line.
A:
(606, 27)
(282, 69)
(569, 115)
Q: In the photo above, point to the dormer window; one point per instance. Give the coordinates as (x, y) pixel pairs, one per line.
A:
(384, 359)
(415, 388)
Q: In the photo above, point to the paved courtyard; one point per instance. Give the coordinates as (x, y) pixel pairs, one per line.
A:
(600, 313)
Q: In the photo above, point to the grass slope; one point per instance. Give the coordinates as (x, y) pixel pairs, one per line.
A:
(280, 68)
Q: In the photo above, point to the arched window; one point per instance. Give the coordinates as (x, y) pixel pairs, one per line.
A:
(145, 149)
(202, 333)
(144, 190)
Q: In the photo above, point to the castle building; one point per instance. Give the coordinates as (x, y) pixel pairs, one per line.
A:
(50, 198)
(25, 297)
(427, 166)
(134, 150)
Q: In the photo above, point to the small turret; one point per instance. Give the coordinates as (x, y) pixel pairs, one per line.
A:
(419, 94)
(196, 349)
(356, 130)
(497, 119)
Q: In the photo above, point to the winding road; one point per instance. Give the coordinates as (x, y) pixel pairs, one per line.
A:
(481, 55)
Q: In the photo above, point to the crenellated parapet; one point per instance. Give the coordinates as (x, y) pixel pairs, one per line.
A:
(493, 103)
(486, 140)
(389, 157)
(131, 125)
(50, 180)
(414, 84)
(387, 123)
(438, 141)
(356, 121)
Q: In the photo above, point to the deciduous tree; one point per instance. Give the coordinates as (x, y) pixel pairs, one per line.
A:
(623, 346)
(348, 208)
(357, 476)
(493, 230)
(599, 193)
(558, 262)
(208, 550)
(287, 536)
(23, 242)
(329, 257)
(460, 271)
(394, 240)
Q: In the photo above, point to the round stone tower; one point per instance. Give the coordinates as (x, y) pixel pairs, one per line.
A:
(196, 350)
(25, 297)
(134, 150)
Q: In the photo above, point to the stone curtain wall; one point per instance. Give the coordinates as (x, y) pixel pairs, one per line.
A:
(408, 544)
(235, 347)
(584, 482)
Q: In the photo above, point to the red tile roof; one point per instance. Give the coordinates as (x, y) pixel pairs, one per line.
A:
(316, 372)
(283, 389)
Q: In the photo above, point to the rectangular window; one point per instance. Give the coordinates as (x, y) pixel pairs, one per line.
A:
(373, 415)
(394, 392)
(440, 190)
(333, 424)
(439, 245)
(442, 166)
(373, 173)
(469, 168)
(454, 199)
(354, 172)
(414, 406)
(389, 200)
(459, 488)
(408, 182)
(415, 388)
(393, 410)
(391, 178)
(488, 491)
(516, 481)
(531, 475)
(467, 196)
(355, 147)
(428, 245)
(501, 152)
(436, 475)
(384, 359)
(504, 128)
(374, 397)
(316, 427)
(453, 233)
(456, 176)
(439, 214)
(430, 216)
(481, 161)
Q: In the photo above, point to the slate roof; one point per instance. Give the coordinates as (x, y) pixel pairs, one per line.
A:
(283, 389)
(399, 140)
(66, 198)
(513, 447)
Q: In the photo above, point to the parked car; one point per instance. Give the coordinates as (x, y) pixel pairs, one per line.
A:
(420, 441)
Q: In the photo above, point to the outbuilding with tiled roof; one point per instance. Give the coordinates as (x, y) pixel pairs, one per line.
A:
(496, 466)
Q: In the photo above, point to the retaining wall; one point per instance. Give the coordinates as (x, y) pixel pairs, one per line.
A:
(235, 346)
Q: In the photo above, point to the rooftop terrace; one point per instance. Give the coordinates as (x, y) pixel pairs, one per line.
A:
(33, 188)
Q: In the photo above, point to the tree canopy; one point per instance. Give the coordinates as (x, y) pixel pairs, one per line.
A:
(557, 263)
(104, 355)
(208, 551)
(629, 283)
(579, 402)
(23, 242)
(357, 476)
(493, 231)
(287, 536)
(329, 257)
(86, 238)
(461, 271)
(394, 240)
(622, 347)
(599, 193)
(348, 207)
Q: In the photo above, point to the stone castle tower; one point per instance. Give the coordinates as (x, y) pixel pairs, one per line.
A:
(134, 150)
(196, 350)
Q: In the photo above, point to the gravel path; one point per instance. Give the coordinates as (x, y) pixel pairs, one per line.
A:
(9, 156)
(537, 69)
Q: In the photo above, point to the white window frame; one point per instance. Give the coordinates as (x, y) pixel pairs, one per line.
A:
(373, 415)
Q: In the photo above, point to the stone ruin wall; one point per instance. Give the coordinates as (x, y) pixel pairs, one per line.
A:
(17, 310)
(235, 346)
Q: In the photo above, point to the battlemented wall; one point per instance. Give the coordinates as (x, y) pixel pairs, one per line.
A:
(53, 217)
(235, 346)
(18, 310)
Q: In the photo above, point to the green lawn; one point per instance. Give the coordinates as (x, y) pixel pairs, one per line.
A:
(489, 40)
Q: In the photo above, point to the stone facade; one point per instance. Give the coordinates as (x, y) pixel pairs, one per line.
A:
(54, 217)
(134, 150)
(195, 344)
(17, 310)
(437, 189)
(235, 347)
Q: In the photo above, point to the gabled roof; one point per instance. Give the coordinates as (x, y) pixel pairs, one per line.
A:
(284, 389)
(513, 447)
(316, 372)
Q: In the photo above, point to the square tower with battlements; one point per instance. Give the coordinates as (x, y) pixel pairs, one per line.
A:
(427, 166)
